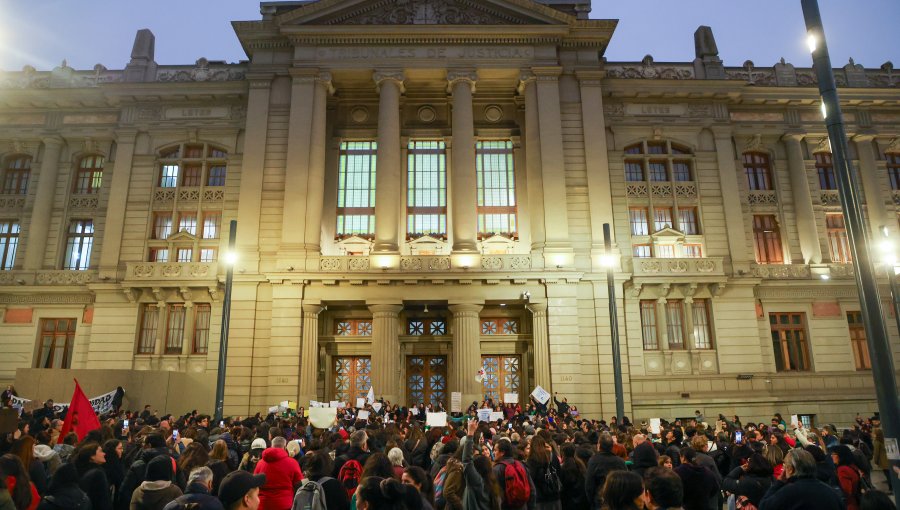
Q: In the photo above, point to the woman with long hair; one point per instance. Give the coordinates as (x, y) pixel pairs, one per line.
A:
(6, 501)
(89, 459)
(544, 469)
(114, 467)
(23, 448)
(482, 491)
(64, 492)
(377, 493)
(572, 473)
(847, 474)
(750, 481)
(623, 490)
(378, 465)
(218, 462)
(418, 478)
(23, 492)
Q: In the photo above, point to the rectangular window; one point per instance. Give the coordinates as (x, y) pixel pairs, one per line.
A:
(858, 341)
(147, 334)
(207, 255)
(175, 329)
(168, 176)
(662, 218)
(687, 221)
(838, 242)
(648, 325)
(356, 189)
(426, 202)
(496, 188)
(702, 329)
(216, 176)
(9, 242)
(659, 171)
(187, 222)
(212, 222)
(665, 251)
(789, 341)
(758, 171)
(825, 168)
(675, 323)
(767, 239)
(634, 171)
(201, 328)
(57, 337)
(193, 151)
(184, 254)
(89, 176)
(192, 175)
(15, 177)
(641, 251)
(639, 224)
(79, 241)
(162, 225)
(893, 169)
(693, 251)
(681, 171)
(159, 255)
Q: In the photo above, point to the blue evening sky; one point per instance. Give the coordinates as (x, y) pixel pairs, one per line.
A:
(42, 33)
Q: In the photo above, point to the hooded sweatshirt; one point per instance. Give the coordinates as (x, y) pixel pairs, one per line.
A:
(154, 495)
(283, 476)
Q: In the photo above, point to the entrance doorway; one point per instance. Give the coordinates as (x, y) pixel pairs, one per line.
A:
(352, 377)
(502, 376)
(426, 380)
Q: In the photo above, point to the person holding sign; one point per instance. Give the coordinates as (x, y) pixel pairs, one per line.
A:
(481, 485)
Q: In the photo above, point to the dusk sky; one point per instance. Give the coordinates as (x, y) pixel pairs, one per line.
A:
(42, 33)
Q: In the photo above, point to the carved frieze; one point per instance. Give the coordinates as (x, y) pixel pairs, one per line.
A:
(425, 12)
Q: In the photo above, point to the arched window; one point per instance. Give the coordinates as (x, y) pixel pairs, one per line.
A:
(16, 172)
(758, 171)
(89, 176)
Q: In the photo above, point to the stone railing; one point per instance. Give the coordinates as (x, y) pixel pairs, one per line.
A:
(48, 277)
(780, 271)
(829, 197)
(11, 202)
(67, 77)
(764, 197)
(163, 271)
(425, 263)
(895, 196)
(710, 266)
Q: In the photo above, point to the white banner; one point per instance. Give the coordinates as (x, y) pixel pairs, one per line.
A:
(655, 425)
(102, 404)
(455, 402)
(496, 416)
(510, 398)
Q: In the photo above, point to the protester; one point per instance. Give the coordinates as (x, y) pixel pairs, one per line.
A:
(376, 493)
(416, 477)
(798, 489)
(240, 490)
(749, 482)
(198, 492)
(6, 500)
(157, 489)
(283, 477)
(601, 464)
(848, 475)
(317, 467)
(64, 493)
(701, 490)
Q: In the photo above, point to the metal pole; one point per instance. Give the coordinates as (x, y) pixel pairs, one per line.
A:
(870, 302)
(895, 294)
(614, 325)
(226, 319)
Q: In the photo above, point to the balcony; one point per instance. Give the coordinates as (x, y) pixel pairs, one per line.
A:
(168, 272)
(426, 264)
(46, 277)
(762, 198)
(684, 190)
(703, 269)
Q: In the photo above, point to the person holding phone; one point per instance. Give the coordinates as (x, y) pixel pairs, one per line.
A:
(740, 451)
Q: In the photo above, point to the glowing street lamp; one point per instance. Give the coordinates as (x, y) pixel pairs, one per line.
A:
(230, 259)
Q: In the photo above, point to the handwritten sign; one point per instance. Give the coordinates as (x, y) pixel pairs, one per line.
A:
(484, 415)
(455, 402)
(360, 403)
(541, 395)
(510, 398)
(496, 416)
(363, 415)
(654, 425)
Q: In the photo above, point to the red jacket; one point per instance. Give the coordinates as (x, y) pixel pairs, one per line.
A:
(283, 476)
(35, 497)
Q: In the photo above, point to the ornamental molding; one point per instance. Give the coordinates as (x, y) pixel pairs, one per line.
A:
(46, 299)
(780, 293)
(426, 12)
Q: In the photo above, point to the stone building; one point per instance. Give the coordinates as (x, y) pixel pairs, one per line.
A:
(504, 141)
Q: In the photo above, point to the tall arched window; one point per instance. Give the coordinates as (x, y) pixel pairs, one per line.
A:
(16, 172)
(89, 176)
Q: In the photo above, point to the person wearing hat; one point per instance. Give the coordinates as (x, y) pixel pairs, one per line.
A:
(157, 490)
(252, 457)
(240, 490)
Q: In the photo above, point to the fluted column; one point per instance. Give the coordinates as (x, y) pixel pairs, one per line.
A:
(466, 352)
(803, 207)
(309, 354)
(871, 187)
(553, 165)
(533, 175)
(115, 206)
(316, 182)
(541, 345)
(386, 351)
(463, 181)
(43, 204)
(388, 177)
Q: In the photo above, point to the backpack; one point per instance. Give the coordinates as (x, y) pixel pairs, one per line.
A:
(310, 496)
(551, 484)
(349, 476)
(439, 480)
(517, 490)
(742, 503)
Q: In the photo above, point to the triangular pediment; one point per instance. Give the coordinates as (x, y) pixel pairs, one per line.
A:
(182, 235)
(667, 233)
(424, 12)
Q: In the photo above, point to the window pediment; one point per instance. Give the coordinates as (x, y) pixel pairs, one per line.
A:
(667, 234)
(182, 236)
(355, 245)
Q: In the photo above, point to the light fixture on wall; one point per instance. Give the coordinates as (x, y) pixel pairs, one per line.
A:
(426, 308)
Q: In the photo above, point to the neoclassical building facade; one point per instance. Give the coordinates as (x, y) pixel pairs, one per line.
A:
(420, 189)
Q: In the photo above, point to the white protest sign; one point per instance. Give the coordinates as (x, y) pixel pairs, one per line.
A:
(284, 404)
(795, 419)
(376, 406)
(313, 403)
(322, 417)
(436, 419)
(484, 414)
(273, 409)
(455, 402)
(541, 395)
(370, 397)
(333, 403)
(510, 398)
(654, 425)
(341, 405)
(360, 403)
(496, 416)
(363, 415)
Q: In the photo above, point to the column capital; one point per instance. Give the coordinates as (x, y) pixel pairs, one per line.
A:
(547, 73)
(461, 76)
(525, 78)
(312, 308)
(324, 78)
(539, 308)
(304, 74)
(385, 309)
(125, 135)
(864, 137)
(460, 309)
(53, 141)
(590, 78)
(260, 80)
(794, 136)
(394, 75)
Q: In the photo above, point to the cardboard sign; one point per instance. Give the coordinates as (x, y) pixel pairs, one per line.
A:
(455, 402)
(436, 419)
(795, 419)
(322, 417)
(484, 415)
(654, 425)
(510, 398)
(541, 395)
(360, 403)
(376, 406)
(496, 416)
(363, 415)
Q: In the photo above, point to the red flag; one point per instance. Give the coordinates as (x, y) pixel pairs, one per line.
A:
(81, 417)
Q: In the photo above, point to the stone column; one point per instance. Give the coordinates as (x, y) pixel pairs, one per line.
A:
(803, 207)
(388, 179)
(541, 345)
(250, 199)
(528, 88)
(870, 181)
(161, 320)
(662, 321)
(386, 351)
(553, 166)
(731, 198)
(187, 346)
(463, 182)
(690, 341)
(45, 196)
(115, 206)
(593, 124)
(316, 182)
(466, 352)
(297, 189)
(309, 354)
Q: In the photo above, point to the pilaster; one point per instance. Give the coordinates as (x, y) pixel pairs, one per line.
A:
(117, 204)
(871, 187)
(803, 208)
(731, 201)
(285, 340)
(316, 181)
(43, 204)
(541, 344)
(309, 353)
(386, 351)
(528, 88)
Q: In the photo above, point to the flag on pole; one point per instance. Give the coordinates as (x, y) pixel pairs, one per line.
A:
(370, 398)
(80, 417)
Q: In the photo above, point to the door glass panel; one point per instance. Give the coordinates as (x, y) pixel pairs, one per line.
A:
(426, 379)
(352, 377)
(502, 375)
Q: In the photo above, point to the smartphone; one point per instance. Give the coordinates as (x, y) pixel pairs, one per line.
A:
(509, 426)
(125, 424)
(221, 424)
(738, 437)
(175, 435)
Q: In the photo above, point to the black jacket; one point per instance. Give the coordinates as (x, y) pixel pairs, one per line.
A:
(744, 484)
(354, 453)
(67, 497)
(800, 494)
(94, 483)
(600, 465)
(135, 476)
(196, 493)
(700, 487)
(573, 496)
(335, 494)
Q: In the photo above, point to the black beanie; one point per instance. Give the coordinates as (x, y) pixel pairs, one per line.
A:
(159, 469)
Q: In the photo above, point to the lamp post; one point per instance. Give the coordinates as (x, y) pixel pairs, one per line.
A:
(867, 286)
(230, 259)
(609, 261)
(889, 257)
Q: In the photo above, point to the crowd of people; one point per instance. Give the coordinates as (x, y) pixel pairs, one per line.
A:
(536, 457)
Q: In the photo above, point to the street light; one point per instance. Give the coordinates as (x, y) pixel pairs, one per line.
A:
(867, 286)
(608, 260)
(889, 258)
(230, 259)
